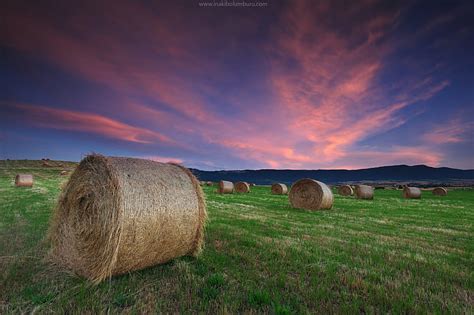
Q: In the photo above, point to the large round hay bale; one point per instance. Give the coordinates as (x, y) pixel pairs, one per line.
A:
(411, 192)
(345, 190)
(24, 180)
(242, 187)
(279, 189)
(117, 214)
(225, 187)
(364, 192)
(311, 195)
(440, 191)
(209, 183)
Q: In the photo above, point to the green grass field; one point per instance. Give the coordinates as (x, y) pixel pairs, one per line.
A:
(261, 256)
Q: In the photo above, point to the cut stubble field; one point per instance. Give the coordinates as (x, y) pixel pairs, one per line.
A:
(261, 256)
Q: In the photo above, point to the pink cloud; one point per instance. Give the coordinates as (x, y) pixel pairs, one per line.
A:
(453, 131)
(46, 117)
(329, 99)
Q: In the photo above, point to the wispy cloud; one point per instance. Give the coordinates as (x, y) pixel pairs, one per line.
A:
(453, 131)
(320, 90)
(45, 117)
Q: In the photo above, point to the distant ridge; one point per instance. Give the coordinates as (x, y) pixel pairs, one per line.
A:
(394, 173)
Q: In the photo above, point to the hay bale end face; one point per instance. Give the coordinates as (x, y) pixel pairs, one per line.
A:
(225, 187)
(345, 190)
(24, 180)
(411, 192)
(117, 215)
(440, 191)
(279, 189)
(242, 187)
(364, 192)
(310, 194)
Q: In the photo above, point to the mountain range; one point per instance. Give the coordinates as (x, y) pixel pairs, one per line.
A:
(395, 173)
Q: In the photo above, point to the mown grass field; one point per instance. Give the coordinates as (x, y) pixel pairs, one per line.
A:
(261, 256)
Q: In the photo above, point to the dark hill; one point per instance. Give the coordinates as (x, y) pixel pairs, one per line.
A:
(395, 173)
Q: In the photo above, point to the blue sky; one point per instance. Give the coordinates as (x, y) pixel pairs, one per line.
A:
(293, 84)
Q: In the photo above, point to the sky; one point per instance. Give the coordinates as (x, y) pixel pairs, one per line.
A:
(281, 84)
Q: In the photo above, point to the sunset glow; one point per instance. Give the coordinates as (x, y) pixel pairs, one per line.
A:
(296, 84)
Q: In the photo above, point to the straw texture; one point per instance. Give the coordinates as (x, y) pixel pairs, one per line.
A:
(116, 215)
(440, 191)
(225, 187)
(364, 192)
(24, 180)
(279, 189)
(311, 195)
(411, 193)
(345, 190)
(242, 187)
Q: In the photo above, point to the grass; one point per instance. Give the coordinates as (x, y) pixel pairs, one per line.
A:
(261, 256)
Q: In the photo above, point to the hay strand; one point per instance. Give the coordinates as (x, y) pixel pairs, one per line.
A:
(345, 190)
(24, 180)
(364, 192)
(279, 189)
(117, 215)
(225, 187)
(310, 194)
(411, 192)
(242, 187)
(440, 191)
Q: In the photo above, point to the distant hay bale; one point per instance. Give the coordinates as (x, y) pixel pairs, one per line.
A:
(62, 173)
(440, 191)
(279, 189)
(252, 185)
(116, 215)
(225, 187)
(24, 180)
(311, 195)
(209, 183)
(45, 163)
(411, 192)
(364, 192)
(345, 190)
(242, 187)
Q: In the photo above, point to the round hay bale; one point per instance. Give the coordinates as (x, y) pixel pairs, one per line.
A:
(209, 183)
(253, 185)
(411, 192)
(45, 163)
(364, 192)
(24, 180)
(117, 215)
(63, 173)
(440, 191)
(345, 190)
(242, 187)
(225, 187)
(311, 195)
(279, 189)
